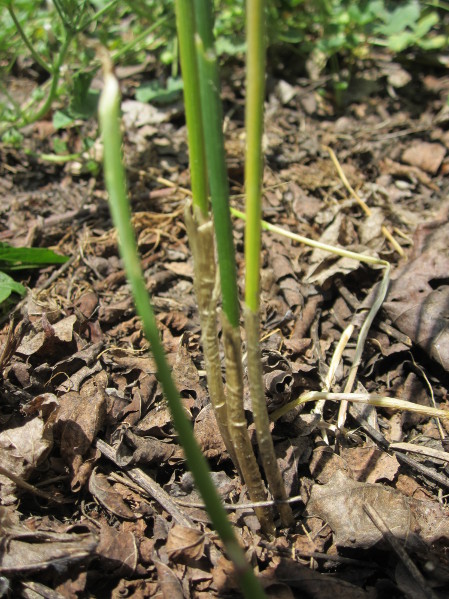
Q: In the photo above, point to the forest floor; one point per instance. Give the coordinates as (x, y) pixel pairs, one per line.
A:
(95, 497)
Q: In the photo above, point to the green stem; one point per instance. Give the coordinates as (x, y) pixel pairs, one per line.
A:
(254, 112)
(185, 21)
(201, 240)
(216, 162)
(55, 70)
(238, 426)
(261, 419)
(212, 116)
(60, 11)
(27, 42)
(99, 14)
(255, 92)
(130, 45)
(199, 225)
(109, 109)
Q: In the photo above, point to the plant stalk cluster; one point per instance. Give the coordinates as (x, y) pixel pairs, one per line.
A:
(195, 29)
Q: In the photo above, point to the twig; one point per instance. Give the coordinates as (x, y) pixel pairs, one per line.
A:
(31, 488)
(432, 395)
(406, 460)
(429, 452)
(244, 506)
(364, 329)
(397, 547)
(148, 485)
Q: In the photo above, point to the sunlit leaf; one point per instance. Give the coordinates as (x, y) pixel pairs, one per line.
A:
(8, 286)
(12, 258)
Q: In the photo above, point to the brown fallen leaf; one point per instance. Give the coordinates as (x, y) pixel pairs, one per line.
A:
(24, 551)
(324, 266)
(418, 299)
(340, 503)
(187, 378)
(117, 550)
(277, 378)
(208, 435)
(278, 590)
(134, 450)
(324, 463)
(22, 449)
(184, 543)
(427, 156)
(13, 339)
(73, 586)
(138, 589)
(225, 576)
(169, 585)
(370, 464)
(78, 421)
(50, 338)
(110, 499)
(87, 304)
(315, 585)
(285, 277)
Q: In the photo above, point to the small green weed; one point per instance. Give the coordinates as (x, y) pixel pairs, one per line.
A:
(12, 258)
(332, 35)
(62, 37)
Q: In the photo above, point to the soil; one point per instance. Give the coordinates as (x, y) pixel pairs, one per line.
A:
(95, 497)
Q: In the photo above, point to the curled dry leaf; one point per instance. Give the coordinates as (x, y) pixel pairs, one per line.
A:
(22, 449)
(185, 543)
(80, 417)
(108, 498)
(117, 551)
(26, 551)
(285, 276)
(208, 434)
(134, 450)
(418, 300)
(187, 378)
(278, 379)
(83, 364)
(325, 266)
(12, 341)
(169, 585)
(49, 338)
(290, 453)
